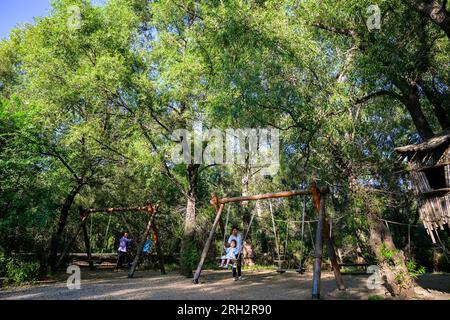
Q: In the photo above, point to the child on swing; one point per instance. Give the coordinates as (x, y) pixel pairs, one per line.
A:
(231, 252)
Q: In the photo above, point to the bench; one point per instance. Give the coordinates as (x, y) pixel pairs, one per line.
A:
(356, 265)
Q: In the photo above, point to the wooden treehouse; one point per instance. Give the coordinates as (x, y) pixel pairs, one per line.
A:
(429, 166)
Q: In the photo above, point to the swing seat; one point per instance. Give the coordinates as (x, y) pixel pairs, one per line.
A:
(280, 270)
(301, 269)
(232, 261)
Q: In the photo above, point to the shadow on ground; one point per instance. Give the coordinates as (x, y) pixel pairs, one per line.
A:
(214, 285)
(435, 282)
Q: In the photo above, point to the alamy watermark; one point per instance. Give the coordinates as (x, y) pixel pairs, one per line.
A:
(259, 148)
(375, 281)
(374, 20)
(74, 280)
(74, 20)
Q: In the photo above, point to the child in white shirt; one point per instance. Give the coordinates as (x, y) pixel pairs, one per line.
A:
(231, 253)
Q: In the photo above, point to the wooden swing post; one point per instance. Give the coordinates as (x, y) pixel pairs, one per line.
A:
(156, 242)
(150, 213)
(332, 255)
(319, 201)
(215, 203)
(323, 235)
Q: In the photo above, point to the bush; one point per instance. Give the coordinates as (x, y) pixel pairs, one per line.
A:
(190, 257)
(442, 263)
(413, 269)
(17, 271)
(3, 264)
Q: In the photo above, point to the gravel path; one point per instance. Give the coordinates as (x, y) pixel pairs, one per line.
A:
(215, 285)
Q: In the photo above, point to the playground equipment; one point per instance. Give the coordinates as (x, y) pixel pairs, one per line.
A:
(280, 258)
(322, 234)
(151, 227)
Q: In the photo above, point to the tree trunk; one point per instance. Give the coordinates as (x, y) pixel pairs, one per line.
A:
(380, 236)
(248, 254)
(56, 238)
(434, 11)
(411, 100)
(391, 261)
(440, 104)
(187, 243)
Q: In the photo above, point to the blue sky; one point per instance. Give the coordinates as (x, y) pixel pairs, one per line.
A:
(13, 12)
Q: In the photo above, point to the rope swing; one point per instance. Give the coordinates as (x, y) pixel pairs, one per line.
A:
(301, 268)
(105, 239)
(277, 246)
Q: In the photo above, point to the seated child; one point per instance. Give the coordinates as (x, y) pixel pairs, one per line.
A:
(231, 254)
(147, 246)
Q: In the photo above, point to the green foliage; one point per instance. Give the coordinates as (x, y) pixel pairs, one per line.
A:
(3, 264)
(376, 297)
(442, 263)
(18, 271)
(260, 267)
(190, 257)
(171, 267)
(387, 253)
(415, 270)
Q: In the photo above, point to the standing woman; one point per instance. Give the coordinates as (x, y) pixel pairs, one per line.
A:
(237, 268)
(122, 251)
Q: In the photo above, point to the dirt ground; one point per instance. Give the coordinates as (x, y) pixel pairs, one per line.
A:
(215, 285)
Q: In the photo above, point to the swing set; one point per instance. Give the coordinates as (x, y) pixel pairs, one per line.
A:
(322, 233)
(151, 227)
(303, 222)
(280, 257)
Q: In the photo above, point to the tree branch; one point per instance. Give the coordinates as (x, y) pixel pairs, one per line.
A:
(167, 172)
(435, 12)
(54, 153)
(347, 32)
(378, 94)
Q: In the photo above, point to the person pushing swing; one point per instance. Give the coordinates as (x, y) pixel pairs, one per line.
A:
(237, 238)
(122, 251)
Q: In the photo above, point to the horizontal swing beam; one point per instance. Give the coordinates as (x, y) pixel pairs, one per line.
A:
(111, 210)
(283, 194)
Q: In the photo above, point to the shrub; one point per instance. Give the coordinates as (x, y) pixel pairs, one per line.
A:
(413, 269)
(18, 272)
(441, 263)
(190, 257)
(3, 263)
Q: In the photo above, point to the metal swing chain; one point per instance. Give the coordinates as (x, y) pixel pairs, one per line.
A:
(286, 240)
(105, 241)
(303, 226)
(275, 232)
(90, 234)
(226, 225)
(312, 238)
(247, 232)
